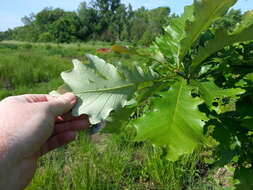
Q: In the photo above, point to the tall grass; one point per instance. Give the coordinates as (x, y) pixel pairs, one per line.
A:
(121, 165)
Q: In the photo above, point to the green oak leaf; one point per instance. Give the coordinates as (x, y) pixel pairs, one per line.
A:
(185, 30)
(247, 81)
(211, 93)
(101, 87)
(244, 175)
(248, 123)
(249, 77)
(223, 38)
(223, 133)
(121, 118)
(118, 120)
(205, 13)
(168, 45)
(175, 123)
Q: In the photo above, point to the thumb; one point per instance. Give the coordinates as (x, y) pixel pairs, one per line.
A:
(62, 104)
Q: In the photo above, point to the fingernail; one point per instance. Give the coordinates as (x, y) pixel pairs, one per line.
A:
(70, 97)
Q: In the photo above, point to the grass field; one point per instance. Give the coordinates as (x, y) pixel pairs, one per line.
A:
(103, 162)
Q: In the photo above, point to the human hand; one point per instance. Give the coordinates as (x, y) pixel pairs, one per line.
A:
(30, 126)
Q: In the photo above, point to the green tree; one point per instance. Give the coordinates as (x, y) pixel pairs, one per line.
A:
(7, 35)
(110, 13)
(46, 37)
(119, 19)
(106, 20)
(28, 20)
(147, 24)
(138, 24)
(45, 18)
(25, 33)
(89, 20)
(66, 28)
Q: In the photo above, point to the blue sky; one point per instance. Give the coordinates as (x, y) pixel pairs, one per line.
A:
(11, 11)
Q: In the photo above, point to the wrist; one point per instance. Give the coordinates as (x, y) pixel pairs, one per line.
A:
(7, 165)
(3, 148)
(8, 152)
(4, 165)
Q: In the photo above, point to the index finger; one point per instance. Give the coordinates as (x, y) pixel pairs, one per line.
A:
(69, 117)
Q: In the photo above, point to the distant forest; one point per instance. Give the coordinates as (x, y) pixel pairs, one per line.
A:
(100, 20)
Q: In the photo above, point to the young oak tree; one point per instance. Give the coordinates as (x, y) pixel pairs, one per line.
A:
(194, 92)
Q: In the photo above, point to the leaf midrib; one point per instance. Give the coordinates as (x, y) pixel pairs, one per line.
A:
(177, 102)
(108, 89)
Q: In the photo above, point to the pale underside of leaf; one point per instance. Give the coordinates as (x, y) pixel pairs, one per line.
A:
(101, 87)
(175, 123)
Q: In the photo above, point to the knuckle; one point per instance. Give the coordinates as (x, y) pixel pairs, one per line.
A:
(63, 101)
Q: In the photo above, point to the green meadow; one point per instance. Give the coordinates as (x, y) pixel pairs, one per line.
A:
(99, 162)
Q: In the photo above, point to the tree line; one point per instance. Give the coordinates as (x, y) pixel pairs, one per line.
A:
(103, 20)
(100, 20)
